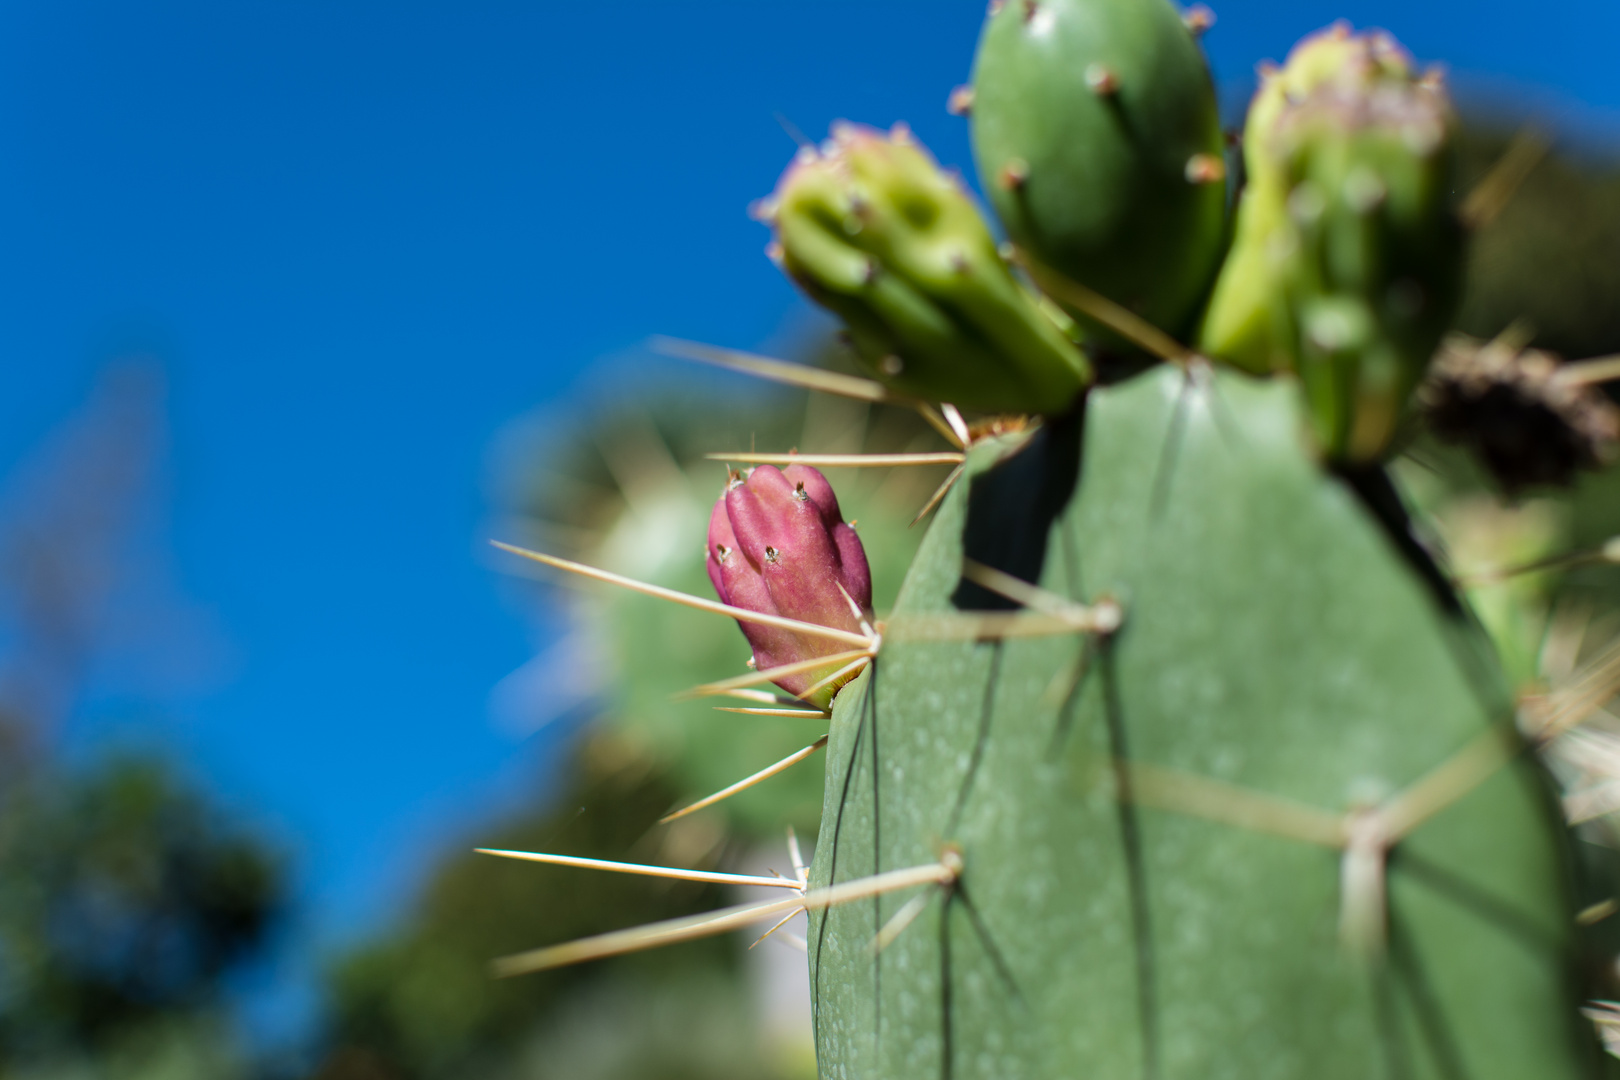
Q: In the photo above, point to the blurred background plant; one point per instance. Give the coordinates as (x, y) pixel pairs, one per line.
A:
(129, 896)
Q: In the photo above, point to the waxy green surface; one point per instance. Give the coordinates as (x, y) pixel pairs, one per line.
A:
(1105, 198)
(1276, 640)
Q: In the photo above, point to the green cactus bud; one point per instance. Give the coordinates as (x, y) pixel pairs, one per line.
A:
(1098, 141)
(876, 232)
(1239, 326)
(1347, 259)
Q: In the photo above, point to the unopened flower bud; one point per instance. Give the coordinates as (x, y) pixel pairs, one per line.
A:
(778, 546)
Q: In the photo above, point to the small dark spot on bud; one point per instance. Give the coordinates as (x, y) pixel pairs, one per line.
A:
(722, 553)
(772, 555)
(960, 103)
(801, 494)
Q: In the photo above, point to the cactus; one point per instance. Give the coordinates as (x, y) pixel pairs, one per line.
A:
(1179, 755)
(1158, 827)
(1347, 262)
(1238, 325)
(1098, 142)
(872, 229)
(778, 545)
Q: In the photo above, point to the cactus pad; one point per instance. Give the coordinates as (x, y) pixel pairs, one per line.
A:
(1154, 825)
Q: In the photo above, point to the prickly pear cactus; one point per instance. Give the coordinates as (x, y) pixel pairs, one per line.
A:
(1157, 827)
(1179, 756)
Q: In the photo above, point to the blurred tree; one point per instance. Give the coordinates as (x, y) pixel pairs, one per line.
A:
(420, 1004)
(124, 905)
(127, 898)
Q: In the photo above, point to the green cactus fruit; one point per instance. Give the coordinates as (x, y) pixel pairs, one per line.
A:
(1098, 141)
(1238, 325)
(1348, 257)
(876, 232)
(1275, 826)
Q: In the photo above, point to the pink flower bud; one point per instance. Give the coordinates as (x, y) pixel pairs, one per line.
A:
(778, 546)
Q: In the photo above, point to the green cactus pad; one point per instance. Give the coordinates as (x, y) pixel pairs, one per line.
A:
(1278, 642)
(1098, 142)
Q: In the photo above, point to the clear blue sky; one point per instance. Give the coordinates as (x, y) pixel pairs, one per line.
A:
(362, 237)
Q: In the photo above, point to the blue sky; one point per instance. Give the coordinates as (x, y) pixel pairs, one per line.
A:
(361, 238)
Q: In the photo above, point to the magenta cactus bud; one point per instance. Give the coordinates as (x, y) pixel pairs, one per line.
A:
(779, 546)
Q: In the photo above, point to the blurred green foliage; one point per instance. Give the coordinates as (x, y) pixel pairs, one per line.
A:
(1552, 257)
(131, 898)
(420, 1004)
(127, 902)
(122, 899)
